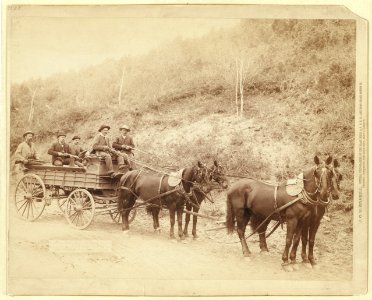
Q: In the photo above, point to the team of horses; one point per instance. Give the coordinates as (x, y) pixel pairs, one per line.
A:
(247, 200)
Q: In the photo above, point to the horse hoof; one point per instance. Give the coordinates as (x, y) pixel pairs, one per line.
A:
(315, 267)
(126, 232)
(287, 268)
(247, 258)
(307, 265)
(157, 230)
(264, 252)
(295, 266)
(195, 237)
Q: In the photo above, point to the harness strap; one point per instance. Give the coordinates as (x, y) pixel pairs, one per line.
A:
(274, 212)
(276, 205)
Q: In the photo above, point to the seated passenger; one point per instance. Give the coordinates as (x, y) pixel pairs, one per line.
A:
(101, 147)
(60, 152)
(124, 144)
(26, 151)
(77, 150)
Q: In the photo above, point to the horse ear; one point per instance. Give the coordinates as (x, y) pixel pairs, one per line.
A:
(200, 165)
(215, 163)
(329, 160)
(316, 160)
(336, 164)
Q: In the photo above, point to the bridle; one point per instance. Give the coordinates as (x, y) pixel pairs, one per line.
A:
(318, 183)
(216, 173)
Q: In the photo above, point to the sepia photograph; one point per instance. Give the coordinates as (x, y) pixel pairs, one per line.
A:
(185, 150)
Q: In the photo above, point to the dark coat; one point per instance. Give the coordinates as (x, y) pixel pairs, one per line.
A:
(121, 142)
(57, 147)
(100, 142)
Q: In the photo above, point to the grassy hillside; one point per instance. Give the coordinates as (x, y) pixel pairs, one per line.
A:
(180, 99)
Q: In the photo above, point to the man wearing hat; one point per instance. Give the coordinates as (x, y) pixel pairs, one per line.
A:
(124, 143)
(102, 145)
(26, 150)
(76, 149)
(60, 152)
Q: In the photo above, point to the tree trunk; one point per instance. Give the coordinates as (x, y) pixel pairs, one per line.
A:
(31, 114)
(121, 87)
(241, 89)
(236, 87)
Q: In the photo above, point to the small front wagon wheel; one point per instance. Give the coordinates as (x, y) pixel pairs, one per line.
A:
(116, 216)
(29, 198)
(79, 209)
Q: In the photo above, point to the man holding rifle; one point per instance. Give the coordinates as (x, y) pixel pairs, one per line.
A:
(60, 151)
(26, 152)
(77, 150)
(124, 144)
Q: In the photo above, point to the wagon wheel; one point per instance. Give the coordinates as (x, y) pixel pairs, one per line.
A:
(116, 216)
(79, 208)
(62, 202)
(29, 198)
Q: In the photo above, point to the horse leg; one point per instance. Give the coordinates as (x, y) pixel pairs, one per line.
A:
(155, 218)
(312, 232)
(242, 219)
(179, 221)
(291, 227)
(126, 203)
(194, 221)
(187, 221)
(296, 242)
(304, 241)
(172, 216)
(262, 236)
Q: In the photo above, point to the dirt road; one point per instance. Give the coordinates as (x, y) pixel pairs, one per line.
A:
(128, 263)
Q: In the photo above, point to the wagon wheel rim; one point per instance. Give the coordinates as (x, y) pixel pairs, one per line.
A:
(29, 197)
(116, 216)
(62, 202)
(79, 209)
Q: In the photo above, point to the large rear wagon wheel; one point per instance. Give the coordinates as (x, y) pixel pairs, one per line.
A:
(79, 209)
(29, 198)
(116, 216)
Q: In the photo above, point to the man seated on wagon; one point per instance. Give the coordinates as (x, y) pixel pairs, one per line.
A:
(26, 151)
(60, 152)
(77, 150)
(124, 144)
(102, 146)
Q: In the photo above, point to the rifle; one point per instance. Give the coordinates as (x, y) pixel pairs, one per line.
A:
(31, 162)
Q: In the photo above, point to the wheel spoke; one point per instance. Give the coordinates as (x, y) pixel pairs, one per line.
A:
(24, 186)
(23, 212)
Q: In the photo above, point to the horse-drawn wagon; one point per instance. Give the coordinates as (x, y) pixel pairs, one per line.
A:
(81, 193)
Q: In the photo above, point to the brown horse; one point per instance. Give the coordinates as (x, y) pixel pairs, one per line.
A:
(250, 197)
(311, 224)
(217, 175)
(155, 190)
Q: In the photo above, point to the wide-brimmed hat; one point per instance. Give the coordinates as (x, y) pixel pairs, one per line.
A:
(60, 133)
(124, 127)
(28, 132)
(104, 126)
(76, 137)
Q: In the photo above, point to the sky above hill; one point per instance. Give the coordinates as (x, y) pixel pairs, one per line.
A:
(41, 46)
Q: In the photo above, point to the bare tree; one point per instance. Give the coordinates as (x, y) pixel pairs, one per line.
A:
(121, 87)
(31, 114)
(239, 86)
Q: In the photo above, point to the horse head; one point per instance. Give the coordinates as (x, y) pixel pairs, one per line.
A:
(325, 179)
(336, 178)
(217, 174)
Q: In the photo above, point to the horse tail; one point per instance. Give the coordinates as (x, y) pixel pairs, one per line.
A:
(254, 222)
(149, 209)
(230, 216)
